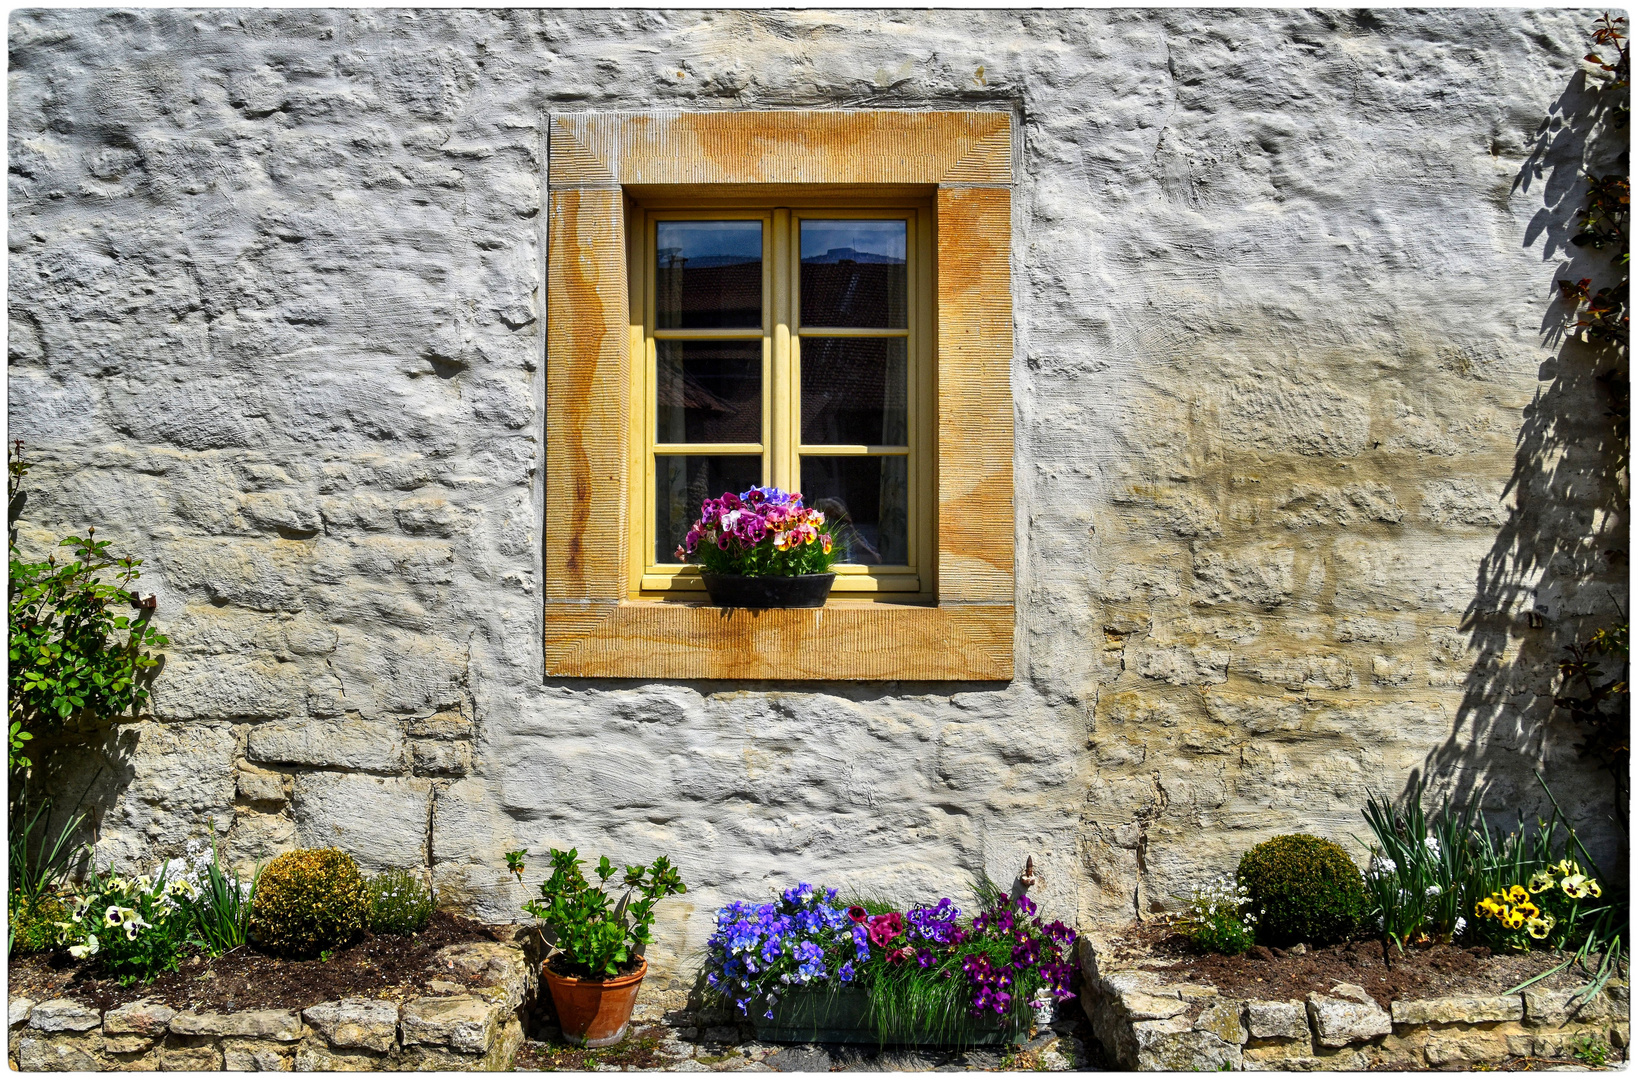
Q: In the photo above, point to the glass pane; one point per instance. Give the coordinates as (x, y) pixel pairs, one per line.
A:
(709, 273)
(854, 274)
(853, 391)
(683, 481)
(708, 391)
(867, 502)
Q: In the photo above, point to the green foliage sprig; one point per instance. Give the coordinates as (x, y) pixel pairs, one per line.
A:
(74, 653)
(399, 903)
(598, 937)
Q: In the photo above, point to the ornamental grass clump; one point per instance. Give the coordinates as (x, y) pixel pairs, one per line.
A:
(760, 532)
(308, 902)
(1419, 870)
(399, 903)
(1303, 889)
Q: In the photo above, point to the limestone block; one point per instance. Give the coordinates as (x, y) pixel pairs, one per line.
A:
(1222, 1019)
(374, 745)
(181, 778)
(503, 966)
(381, 821)
(1182, 665)
(1461, 1045)
(444, 725)
(127, 1044)
(280, 1025)
(141, 1018)
(62, 1014)
(1173, 1046)
(465, 1024)
(1277, 1019)
(239, 687)
(434, 757)
(17, 1011)
(258, 837)
(1349, 1017)
(1554, 1008)
(1261, 577)
(1138, 1005)
(312, 1055)
(257, 1055)
(262, 785)
(355, 1023)
(60, 1052)
(503, 1047)
(190, 1055)
(1458, 1010)
(283, 513)
(1405, 1049)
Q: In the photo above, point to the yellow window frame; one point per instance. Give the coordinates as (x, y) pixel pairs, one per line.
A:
(781, 334)
(603, 168)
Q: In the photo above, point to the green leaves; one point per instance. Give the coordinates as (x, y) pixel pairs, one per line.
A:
(75, 651)
(596, 936)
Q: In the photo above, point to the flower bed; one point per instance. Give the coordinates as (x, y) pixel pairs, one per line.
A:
(816, 969)
(1153, 1008)
(457, 1011)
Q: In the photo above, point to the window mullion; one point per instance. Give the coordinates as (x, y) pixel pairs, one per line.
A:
(780, 436)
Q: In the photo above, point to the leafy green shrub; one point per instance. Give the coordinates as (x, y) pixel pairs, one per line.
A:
(309, 901)
(1215, 921)
(598, 938)
(1303, 889)
(399, 903)
(68, 661)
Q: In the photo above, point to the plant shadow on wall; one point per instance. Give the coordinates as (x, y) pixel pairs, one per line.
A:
(1549, 614)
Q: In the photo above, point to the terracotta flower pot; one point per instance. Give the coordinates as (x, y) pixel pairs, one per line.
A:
(595, 1012)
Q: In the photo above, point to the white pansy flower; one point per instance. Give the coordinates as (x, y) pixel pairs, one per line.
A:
(90, 948)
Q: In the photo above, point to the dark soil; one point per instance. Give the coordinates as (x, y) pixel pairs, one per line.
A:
(1382, 970)
(386, 966)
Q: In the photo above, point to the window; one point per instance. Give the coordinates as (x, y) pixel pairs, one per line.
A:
(693, 364)
(786, 345)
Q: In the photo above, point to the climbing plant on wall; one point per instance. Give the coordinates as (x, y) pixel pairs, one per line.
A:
(76, 651)
(1593, 676)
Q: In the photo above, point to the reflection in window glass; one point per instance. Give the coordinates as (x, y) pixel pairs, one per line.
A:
(853, 273)
(866, 501)
(683, 481)
(708, 274)
(854, 391)
(708, 391)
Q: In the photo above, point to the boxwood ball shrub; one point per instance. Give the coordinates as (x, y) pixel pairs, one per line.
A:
(1302, 889)
(309, 901)
(399, 903)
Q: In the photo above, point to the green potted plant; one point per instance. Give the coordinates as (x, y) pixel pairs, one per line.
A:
(761, 548)
(597, 963)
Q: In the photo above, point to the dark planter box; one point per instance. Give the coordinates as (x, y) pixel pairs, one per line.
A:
(843, 1016)
(737, 590)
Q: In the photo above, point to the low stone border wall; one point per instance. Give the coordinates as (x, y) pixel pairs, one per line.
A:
(456, 1027)
(1148, 1023)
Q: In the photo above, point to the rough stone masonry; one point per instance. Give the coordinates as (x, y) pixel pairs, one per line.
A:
(1307, 502)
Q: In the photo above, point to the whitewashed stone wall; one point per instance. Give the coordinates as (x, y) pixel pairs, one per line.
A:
(1294, 458)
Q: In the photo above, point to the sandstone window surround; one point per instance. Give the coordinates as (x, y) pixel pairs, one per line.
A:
(597, 624)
